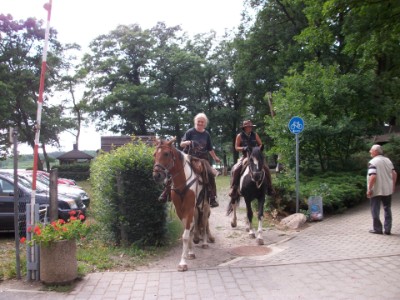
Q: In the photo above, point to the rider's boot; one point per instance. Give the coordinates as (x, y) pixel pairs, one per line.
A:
(233, 193)
(213, 192)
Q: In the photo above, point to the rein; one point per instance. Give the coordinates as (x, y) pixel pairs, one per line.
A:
(259, 182)
(166, 170)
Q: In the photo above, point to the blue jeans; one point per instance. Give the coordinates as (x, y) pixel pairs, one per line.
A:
(387, 208)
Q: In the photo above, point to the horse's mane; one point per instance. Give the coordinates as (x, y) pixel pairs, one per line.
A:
(257, 153)
(170, 143)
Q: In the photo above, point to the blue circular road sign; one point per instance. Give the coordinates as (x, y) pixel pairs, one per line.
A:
(296, 125)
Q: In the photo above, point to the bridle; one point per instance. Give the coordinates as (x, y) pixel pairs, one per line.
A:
(159, 168)
(254, 173)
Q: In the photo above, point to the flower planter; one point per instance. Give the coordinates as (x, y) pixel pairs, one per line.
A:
(58, 264)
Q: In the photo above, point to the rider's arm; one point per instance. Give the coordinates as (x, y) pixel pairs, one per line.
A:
(214, 156)
(238, 141)
(185, 143)
(259, 143)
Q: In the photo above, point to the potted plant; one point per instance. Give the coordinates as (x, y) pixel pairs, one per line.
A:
(57, 241)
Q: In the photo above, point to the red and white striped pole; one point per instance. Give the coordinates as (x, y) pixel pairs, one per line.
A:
(32, 254)
(47, 6)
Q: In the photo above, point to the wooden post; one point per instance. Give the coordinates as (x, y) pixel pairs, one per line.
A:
(53, 195)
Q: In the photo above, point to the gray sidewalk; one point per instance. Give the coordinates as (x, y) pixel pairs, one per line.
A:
(334, 259)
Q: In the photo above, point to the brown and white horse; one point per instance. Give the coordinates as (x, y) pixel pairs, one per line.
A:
(188, 194)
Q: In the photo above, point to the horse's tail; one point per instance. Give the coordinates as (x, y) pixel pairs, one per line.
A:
(229, 210)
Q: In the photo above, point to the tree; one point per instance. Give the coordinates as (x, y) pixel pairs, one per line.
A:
(266, 51)
(20, 65)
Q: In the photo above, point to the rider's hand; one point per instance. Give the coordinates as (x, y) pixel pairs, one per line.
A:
(245, 148)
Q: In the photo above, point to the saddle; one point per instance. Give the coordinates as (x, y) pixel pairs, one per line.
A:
(245, 163)
(200, 168)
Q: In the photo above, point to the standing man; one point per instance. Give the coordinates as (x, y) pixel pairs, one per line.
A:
(381, 183)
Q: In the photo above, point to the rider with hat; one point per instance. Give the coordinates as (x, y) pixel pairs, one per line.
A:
(245, 140)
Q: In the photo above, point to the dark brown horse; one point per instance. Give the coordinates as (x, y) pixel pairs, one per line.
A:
(254, 184)
(188, 193)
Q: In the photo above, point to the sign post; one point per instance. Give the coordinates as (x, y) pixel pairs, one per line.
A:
(296, 125)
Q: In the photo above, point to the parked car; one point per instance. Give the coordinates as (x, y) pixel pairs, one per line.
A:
(43, 180)
(65, 204)
(60, 180)
(73, 191)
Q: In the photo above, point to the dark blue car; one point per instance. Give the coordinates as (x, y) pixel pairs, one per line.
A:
(65, 205)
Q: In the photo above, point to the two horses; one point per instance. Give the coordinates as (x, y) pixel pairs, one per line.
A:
(190, 198)
(188, 194)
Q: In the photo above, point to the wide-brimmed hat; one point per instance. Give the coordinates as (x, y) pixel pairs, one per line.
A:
(247, 123)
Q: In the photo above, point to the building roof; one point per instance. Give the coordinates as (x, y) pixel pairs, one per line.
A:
(388, 132)
(74, 154)
(111, 142)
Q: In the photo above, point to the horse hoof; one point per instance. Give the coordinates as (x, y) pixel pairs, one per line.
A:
(260, 242)
(233, 224)
(196, 241)
(182, 268)
(191, 256)
(204, 246)
(211, 239)
(252, 235)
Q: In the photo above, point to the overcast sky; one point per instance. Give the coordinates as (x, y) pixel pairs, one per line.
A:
(80, 21)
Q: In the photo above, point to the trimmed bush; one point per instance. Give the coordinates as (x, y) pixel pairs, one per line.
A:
(125, 197)
(77, 172)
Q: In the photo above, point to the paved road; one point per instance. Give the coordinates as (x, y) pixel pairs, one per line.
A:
(334, 259)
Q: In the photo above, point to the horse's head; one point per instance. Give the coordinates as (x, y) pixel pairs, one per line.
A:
(164, 159)
(256, 164)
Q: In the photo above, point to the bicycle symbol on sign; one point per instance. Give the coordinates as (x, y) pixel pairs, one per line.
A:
(296, 126)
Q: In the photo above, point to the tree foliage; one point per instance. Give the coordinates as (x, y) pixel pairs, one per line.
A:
(20, 68)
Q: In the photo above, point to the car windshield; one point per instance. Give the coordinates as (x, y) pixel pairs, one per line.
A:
(27, 182)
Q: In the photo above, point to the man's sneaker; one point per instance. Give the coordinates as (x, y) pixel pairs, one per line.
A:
(213, 202)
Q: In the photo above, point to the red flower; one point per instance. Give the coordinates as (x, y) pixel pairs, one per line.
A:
(61, 221)
(72, 213)
(73, 218)
(29, 229)
(81, 217)
(22, 240)
(37, 230)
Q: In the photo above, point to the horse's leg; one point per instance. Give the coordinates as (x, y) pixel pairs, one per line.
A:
(210, 237)
(185, 250)
(234, 203)
(191, 254)
(249, 219)
(261, 202)
(196, 230)
(204, 224)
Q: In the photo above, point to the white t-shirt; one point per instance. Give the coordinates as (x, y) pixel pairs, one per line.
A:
(381, 167)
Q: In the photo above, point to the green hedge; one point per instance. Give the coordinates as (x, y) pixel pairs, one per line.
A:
(77, 171)
(125, 197)
(339, 191)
